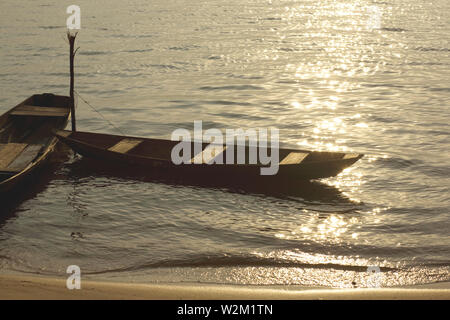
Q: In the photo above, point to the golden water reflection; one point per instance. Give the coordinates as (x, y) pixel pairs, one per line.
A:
(346, 58)
(331, 228)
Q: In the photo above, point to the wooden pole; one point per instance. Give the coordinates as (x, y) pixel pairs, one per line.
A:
(71, 38)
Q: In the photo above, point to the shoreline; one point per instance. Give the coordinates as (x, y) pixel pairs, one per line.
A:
(18, 287)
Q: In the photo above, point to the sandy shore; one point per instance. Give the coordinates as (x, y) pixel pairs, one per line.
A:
(25, 287)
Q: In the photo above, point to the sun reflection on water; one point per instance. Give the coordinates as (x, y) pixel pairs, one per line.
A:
(329, 228)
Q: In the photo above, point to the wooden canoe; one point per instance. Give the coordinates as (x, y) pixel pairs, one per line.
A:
(26, 136)
(151, 153)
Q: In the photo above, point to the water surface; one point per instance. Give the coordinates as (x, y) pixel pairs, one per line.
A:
(317, 70)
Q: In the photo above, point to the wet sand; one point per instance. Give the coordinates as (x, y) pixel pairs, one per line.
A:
(26, 287)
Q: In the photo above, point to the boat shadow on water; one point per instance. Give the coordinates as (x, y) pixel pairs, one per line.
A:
(315, 192)
(33, 185)
(29, 189)
(309, 191)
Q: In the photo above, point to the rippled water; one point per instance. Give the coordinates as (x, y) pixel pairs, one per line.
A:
(320, 71)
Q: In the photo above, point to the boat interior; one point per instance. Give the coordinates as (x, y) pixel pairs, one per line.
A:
(27, 128)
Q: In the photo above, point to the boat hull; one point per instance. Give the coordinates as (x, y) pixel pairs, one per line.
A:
(87, 145)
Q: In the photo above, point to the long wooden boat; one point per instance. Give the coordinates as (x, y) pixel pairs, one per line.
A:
(26, 136)
(150, 153)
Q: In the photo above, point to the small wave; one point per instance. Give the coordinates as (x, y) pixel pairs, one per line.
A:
(393, 29)
(289, 49)
(375, 118)
(434, 171)
(432, 49)
(92, 53)
(122, 35)
(184, 48)
(246, 77)
(227, 103)
(233, 87)
(51, 27)
(240, 116)
(382, 85)
(57, 86)
(137, 50)
(144, 36)
(205, 124)
(398, 163)
(431, 170)
(271, 19)
(414, 63)
(165, 66)
(58, 74)
(287, 81)
(439, 89)
(240, 261)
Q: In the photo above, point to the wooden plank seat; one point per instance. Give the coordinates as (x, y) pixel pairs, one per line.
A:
(294, 158)
(350, 155)
(14, 157)
(27, 110)
(125, 145)
(208, 155)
